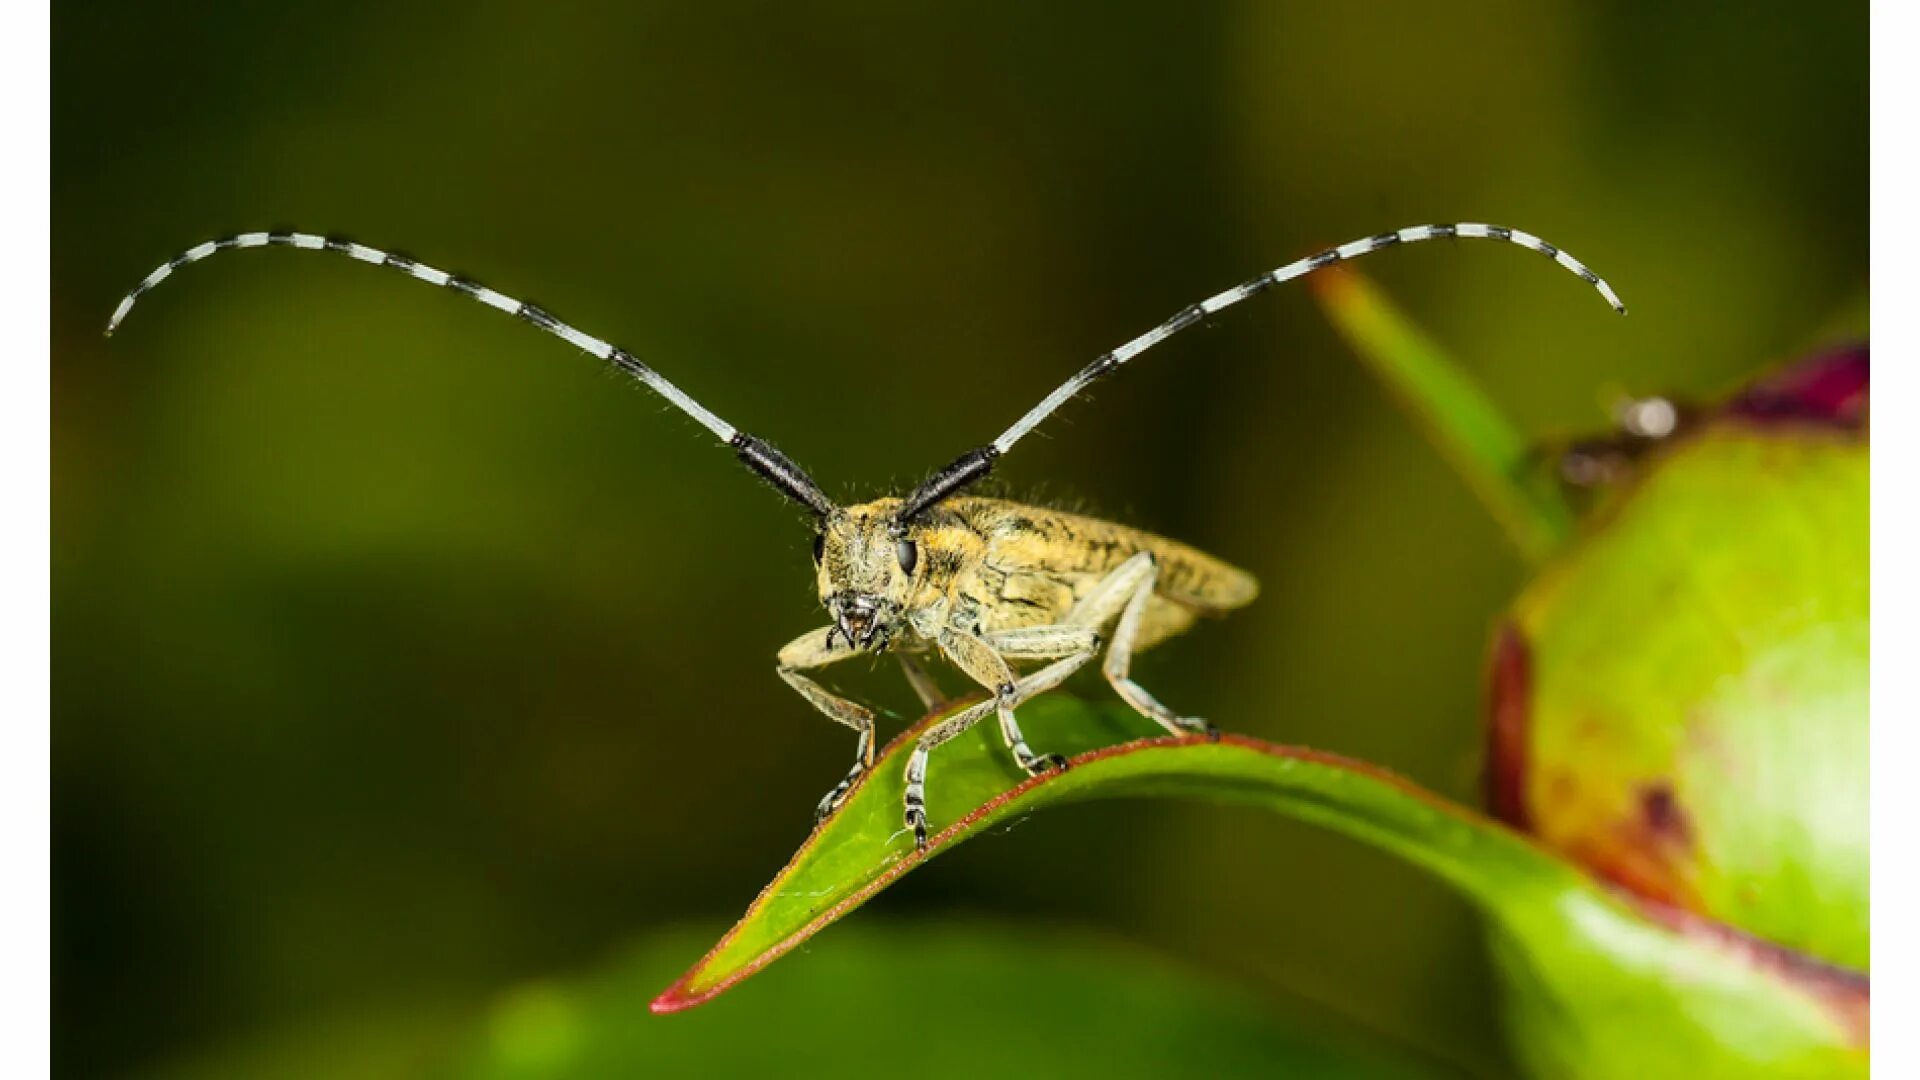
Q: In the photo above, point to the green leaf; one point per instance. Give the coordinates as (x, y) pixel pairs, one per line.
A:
(1487, 451)
(1627, 993)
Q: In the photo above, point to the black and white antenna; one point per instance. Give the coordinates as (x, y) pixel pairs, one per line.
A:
(773, 466)
(975, 464)
(776, 468)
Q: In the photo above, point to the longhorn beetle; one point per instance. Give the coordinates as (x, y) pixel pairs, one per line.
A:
(986, 583)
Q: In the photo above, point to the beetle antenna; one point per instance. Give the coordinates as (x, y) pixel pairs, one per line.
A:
(974, 464)
(772, 466)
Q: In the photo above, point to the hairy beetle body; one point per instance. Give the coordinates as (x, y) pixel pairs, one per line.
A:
(1029, 565)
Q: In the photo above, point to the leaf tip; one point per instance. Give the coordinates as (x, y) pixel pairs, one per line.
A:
(675, 999)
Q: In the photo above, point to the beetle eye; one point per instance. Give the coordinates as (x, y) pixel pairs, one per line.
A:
(908, 553)
(819, 547)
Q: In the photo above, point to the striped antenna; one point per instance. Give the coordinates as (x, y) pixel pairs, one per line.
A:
(975, 464)
(774, 467)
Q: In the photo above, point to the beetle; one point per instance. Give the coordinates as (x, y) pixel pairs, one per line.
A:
(986, 583)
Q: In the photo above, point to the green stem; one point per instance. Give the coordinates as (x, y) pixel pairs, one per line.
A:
(1494, 459)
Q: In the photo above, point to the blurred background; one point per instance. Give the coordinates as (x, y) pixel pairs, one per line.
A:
(406, 659)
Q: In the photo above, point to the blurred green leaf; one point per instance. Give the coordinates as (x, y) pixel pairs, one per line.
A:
(1080, 1006)
(390, 1040)
(927, 1000)
(1633, 993)
(1487, 451)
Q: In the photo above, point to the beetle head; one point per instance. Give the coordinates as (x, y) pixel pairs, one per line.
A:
(868, 570)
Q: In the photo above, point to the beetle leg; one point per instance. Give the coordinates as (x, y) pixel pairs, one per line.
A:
(924, 687)
(915, 799)
(1073, 645)
(1120, 651)
(814, 649)
(1044, 642)
(1109, 596)
(984, 664)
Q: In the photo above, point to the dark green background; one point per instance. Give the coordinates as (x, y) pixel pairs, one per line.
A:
(403, 655)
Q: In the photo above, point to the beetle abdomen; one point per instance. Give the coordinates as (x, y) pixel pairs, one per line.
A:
(1068, 546)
